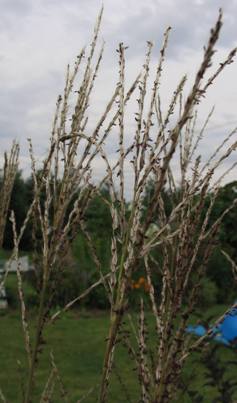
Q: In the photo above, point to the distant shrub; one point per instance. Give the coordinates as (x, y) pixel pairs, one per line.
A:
(208, 293)
(31, 296)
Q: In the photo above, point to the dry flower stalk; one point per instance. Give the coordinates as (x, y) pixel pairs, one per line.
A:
(63, 190)
(152, 156)
(8, 177)
(2, 397)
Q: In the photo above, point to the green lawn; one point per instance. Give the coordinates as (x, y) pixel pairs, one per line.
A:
(78, 342)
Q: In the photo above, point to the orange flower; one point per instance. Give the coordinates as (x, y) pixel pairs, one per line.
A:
(142, 280)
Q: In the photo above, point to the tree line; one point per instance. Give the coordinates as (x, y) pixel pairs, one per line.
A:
(81, 272)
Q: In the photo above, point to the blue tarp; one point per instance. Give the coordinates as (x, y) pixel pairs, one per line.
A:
(225, 332)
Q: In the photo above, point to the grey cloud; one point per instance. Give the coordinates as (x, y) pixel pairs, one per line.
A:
(12, 13)
(16, 7)
(190, 24)
(26, 107)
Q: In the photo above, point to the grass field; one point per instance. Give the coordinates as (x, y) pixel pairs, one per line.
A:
(78, 342)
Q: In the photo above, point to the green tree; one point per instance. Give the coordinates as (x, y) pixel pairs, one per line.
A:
(21, 197)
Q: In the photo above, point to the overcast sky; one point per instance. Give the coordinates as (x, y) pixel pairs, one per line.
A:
(39, 37)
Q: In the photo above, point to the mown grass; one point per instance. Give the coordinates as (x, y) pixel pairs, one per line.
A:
(78, 342)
